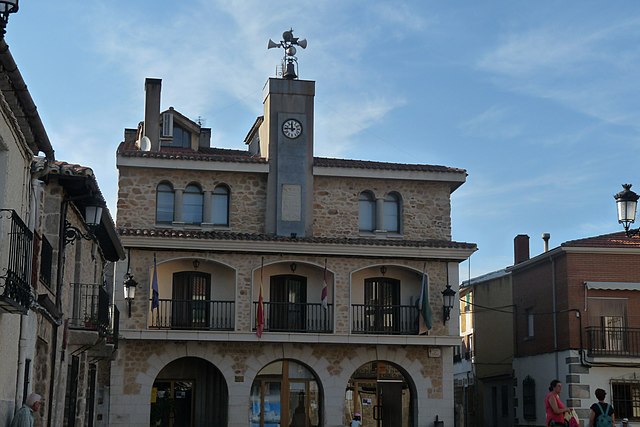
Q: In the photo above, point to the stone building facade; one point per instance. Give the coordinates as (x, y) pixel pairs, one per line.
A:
(287, 285)
(57, 322)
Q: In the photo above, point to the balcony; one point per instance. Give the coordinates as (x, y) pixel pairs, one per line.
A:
(384, 319)
(613, 342)
(91, 309)
(297, 317)
(15, 263)
(193, 314)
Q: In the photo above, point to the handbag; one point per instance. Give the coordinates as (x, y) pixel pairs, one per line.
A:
(571, 418)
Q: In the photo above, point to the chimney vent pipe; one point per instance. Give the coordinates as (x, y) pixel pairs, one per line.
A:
(545, 238)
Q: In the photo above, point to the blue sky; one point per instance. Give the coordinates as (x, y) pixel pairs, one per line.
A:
(538, 101)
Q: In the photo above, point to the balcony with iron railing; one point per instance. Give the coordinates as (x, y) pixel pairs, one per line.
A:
(193, 314)
(384, 319)
(297, 317)
(91, 309)
(15, 263)
(613, 342)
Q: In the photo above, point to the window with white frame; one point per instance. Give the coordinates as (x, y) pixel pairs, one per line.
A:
(530, 323)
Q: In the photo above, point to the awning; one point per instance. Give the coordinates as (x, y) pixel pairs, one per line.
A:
(614, 286)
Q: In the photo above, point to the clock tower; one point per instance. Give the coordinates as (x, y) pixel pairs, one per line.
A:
(287, 141)
(288, 121)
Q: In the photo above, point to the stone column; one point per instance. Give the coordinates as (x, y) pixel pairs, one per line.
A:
(177, 205)
(380, 214)
(206, 214)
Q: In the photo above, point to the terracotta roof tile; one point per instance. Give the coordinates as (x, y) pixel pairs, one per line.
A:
(613, 240)
(129, 149)
(228, 235)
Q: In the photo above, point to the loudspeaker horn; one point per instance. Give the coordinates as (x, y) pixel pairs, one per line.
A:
(302, 43)
(272, 44)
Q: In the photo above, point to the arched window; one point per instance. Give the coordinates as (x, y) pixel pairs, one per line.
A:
(367, 211)
(220, 208)
(164, 203)
(192, 203)
(392, 213)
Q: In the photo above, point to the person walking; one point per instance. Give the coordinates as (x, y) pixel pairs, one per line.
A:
(553, 406)
(24, 416)
(602, 414)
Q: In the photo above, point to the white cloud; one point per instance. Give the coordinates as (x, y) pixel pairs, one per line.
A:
(493, 123)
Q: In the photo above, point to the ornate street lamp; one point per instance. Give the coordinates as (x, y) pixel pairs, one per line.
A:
(447, 303)
(627, 202)
(7, 7)
(91, 218)
(129, 289)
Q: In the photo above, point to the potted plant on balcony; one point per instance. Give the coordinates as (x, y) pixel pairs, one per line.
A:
(91, 322)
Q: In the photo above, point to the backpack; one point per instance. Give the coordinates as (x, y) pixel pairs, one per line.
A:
(604, 419)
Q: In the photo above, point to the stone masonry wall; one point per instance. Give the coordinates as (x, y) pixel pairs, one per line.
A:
(137, 195)
(426, 207)
(239, 363)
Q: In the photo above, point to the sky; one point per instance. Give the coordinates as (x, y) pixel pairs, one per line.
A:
(538, 101)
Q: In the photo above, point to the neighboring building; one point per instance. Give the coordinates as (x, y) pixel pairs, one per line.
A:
(575, 311)
(483, 367)
(573, 320)
(229, 227)
(50, 285)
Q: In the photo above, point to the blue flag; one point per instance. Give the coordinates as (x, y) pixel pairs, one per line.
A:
(154, 286)
(424, 307)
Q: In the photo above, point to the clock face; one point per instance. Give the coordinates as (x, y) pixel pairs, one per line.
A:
(292, 128)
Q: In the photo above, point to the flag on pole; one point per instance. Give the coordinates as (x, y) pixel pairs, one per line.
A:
(260, 310)
(424, 308)
(155, 302)
(325, 288)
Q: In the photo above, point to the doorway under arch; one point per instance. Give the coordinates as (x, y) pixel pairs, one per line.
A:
(285, 393)
(382, 394)
(189, 392)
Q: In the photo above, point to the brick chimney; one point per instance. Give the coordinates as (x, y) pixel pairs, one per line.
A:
(152, 112)
(520, 248)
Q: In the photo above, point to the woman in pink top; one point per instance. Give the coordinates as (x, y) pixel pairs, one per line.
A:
(553, 406)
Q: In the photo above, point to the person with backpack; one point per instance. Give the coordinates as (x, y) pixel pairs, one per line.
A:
(602, 413)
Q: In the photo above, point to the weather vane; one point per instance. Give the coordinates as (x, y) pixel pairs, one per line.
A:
(289, 61)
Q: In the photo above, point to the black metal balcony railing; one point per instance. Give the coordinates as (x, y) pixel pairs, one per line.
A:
(384, 319)
(193, 314)
(297, 317)
(15, 277)
(613, 342)
(90, 308)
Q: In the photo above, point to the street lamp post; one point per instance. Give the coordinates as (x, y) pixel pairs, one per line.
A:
(627, 202)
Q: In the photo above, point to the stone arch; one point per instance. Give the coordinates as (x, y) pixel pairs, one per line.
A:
(381, 389)
(288, 392)
(189, 391)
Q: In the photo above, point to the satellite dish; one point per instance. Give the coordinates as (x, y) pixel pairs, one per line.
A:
(302, 43)
(145, 143)
(272, 44)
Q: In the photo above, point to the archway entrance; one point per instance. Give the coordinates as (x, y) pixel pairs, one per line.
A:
(285, 393)
(189, 392)
(381, 394)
